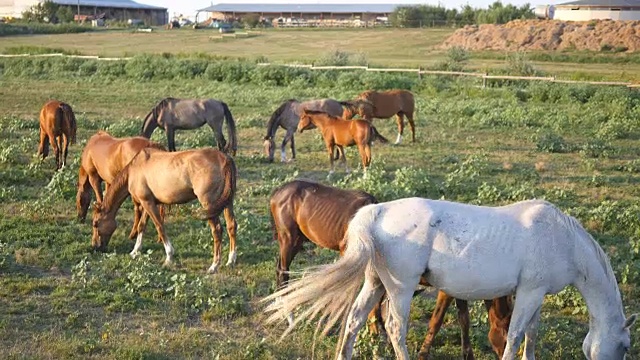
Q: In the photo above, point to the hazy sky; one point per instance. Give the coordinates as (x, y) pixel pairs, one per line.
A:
(189, 7)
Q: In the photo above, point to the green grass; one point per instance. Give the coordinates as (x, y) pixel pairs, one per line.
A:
(576, 146)
(381, 47)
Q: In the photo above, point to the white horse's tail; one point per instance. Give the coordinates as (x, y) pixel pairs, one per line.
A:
(329, 289)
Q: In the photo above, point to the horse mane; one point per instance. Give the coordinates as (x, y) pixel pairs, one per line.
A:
(320, 112)
(155, 145)
(122, 179)
(156, 110)
(272, 124)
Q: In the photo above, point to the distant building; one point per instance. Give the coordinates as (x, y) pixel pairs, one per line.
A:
(301, 13)
(112, 9)
(585, 10)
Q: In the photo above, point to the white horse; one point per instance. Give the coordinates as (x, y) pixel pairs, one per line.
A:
(529, 248)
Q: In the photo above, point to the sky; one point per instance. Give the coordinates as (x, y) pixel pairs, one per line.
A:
(189, 7)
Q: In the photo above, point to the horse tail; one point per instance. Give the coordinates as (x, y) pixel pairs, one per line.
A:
(70, 119)
(232, 145)
(330, 289)
(376, 135)
(83, 198)
(229, 171)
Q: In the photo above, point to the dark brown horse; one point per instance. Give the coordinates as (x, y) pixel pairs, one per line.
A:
(304, 210)
(339, 132)
(157, 177)
(173, 114)
(57, 127)
(383, 104)
(102, 159)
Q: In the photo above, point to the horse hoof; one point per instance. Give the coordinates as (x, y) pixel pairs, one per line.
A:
(212, 269)
(135, 254)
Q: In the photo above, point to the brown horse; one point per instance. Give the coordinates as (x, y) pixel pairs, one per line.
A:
(102, 159)
(207, 174)
(58, 128)
(339, 132)
(304, 210)
(383, 104)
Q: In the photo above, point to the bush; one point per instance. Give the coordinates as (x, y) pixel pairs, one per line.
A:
(552, 143)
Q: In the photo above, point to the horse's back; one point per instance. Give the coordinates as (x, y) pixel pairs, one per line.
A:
(321, 212)
(388, 103)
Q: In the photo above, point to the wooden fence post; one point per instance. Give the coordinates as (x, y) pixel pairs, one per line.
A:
(420, 72)
(484, 80)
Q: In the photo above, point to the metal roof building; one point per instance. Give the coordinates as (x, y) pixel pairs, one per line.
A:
(320, 13)
(112, 9)
(585, 10)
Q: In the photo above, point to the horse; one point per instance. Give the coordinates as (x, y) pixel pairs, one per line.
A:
(339, 132)
(58, 127)
(173, 114)
(304, 210)
(287, 116)
(102, 159)
(206, 174)
(530, 248)
(383, 104)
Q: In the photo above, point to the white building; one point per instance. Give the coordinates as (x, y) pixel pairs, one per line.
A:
(585, 10)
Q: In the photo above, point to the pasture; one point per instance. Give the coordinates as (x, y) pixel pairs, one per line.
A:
(576, 146)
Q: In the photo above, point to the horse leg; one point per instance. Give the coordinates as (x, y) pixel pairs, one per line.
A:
(171, 137)
(463, 320)
(56, 150)
(528, 303)
(287, 137)
(399, 306)
(43, 149)
(330, 148)
(290, 241)
(65, 147)
(232, 227)
(369, 296)
(96, 184)
(400, 121)
(216, 231)
(437, 317)
(152, 210)
(137, 210)
(139, 227)
(412, 124)
(531, 337)
(83, 197)
(216, 127)
(293, 147)
(344, 159)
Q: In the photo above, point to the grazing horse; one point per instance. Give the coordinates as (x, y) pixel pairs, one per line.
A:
(529, 248)
(102, 159)
(384, 104)
(287, 117)
(339, 132)
(57, 127)
(204, 174)
(304, 210)
(173, 114)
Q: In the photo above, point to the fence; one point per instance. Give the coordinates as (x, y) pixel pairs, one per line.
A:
(419, 71)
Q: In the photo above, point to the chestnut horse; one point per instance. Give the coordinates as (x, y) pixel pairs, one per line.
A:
(304, 210)
(339, 132)
(157, 177)
(58, 128)
(102, 159)
(383, 104)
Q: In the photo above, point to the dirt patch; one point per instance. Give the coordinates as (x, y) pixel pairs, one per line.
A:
(549, 35)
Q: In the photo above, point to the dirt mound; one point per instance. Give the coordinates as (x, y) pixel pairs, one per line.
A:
(549, 35)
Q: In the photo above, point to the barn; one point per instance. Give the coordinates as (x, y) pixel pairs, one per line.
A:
(585, 10)
(111, 9)
(303, 14)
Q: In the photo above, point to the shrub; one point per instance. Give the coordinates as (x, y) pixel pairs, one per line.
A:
(551, 142)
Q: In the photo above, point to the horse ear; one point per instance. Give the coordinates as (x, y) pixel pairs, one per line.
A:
(630, 321)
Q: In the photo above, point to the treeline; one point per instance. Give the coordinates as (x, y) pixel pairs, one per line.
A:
(431, 15)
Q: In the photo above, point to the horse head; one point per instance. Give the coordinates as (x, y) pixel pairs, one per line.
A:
(305, 121)
(269, 147)
(104, 225)
(349, 110)
(614, 344)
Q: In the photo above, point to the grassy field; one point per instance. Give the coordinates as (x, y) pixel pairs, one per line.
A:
(379, 47)
(575, 146)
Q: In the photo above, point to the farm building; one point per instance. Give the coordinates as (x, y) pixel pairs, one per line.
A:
(585, 10)
(111, 9)
(303, 14)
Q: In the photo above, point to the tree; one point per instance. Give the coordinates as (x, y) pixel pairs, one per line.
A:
(45, 11)
(64, 14)
(251, 20)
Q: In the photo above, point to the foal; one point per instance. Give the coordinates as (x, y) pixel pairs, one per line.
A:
(58, 128)
(339, 132)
